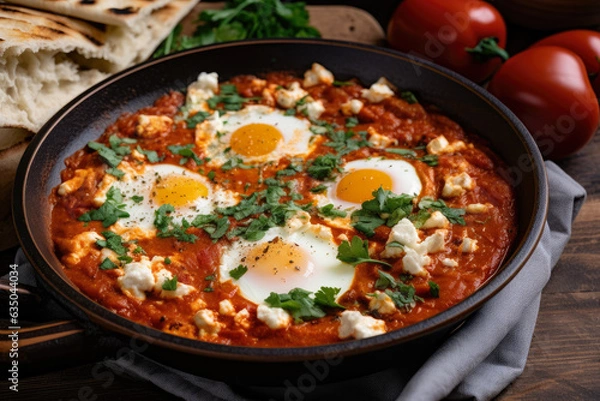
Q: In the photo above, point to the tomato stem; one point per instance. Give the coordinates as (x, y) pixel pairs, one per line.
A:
(486, 49)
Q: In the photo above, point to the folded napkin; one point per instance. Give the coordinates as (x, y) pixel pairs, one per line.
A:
(476, 363)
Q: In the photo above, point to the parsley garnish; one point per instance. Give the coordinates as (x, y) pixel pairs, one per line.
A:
(409, 97)
(430, 160)
(403, 295)
(238, 272)
(356, 252)
(303, 307)
(229, 97)
(345, 142)
(109, 212)
(197, 118)
(163, 221)
(109, 156)
(137, 198)
(342, 83)
(385, 208)
(187, 153)
(167, 261)
(351, 122)
(116, 172)
(151, 155)
(235, 162)
(112, 241)
(330, 211)
(215, 226)
(434, 289)
(411, 154)
(323, 166)
(454, 215)
(170, 284)
(318, 189)
(107, 264)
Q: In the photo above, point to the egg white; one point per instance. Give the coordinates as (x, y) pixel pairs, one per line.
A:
(214, 134)
(405, 180)
(323, 270)
(142, 182)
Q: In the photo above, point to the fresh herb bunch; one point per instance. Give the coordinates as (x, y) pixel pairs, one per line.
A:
(243, 19)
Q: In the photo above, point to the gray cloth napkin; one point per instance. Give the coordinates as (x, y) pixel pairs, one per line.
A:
(476, 363)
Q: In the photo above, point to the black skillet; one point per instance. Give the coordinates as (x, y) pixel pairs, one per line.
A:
(86, 117)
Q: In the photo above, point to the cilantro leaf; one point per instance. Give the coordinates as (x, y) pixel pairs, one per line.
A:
(301, 305)
(116, 172)
(434, 289)
(345, 142)
(163, 221)
(330, 211)
(326, 296)
(385, 208)
(356, 252)
(323, 166)
(409, 97)
(112, 241)
(151, 155)
(235, 162)
(170, 284)
(216, 227)
(403, 295)
(109, 156)
(110, 211)
(187, 153)
(107, 264)
(454, 215)
(238, 272)
(197, 118)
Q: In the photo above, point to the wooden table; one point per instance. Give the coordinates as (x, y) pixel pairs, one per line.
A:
(564, 361)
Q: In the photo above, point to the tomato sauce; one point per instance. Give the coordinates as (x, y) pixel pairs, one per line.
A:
(413, 126)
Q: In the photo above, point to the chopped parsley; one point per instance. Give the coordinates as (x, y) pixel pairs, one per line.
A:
(137, 198)
(434, 289)
(186, 152)
(385, 208)
(344, 142)
(196, 119)
(110, 211)
(342, 83)
(215, 226)
(323, 166)
(163, 221)
(302, 306)
(356, 252)
(318, 189)
(409, 97)
(454, 215)
(238, 272)
(151, 155)
(351, 122)
(330, 211)
(430, 160)
(229, 97)
(235, 162)
(116, 172)
(108, 264)
(112, 241)
(167, 261)
(403, 295)
(170, 284)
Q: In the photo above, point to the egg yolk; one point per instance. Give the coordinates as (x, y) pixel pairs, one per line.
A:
(278, 261)
(255, 139)
(358, 186)
(178, 190)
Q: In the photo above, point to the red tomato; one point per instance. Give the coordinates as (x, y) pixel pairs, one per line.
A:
(586, 44)
(547, 87)
(467, 36)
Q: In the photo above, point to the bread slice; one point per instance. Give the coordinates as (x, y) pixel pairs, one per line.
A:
(128, 13)
(46, 59)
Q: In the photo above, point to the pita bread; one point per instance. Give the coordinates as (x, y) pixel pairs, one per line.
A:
(46, 59)
(128, 13)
